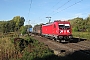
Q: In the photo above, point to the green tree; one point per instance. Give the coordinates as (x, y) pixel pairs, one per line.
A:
(28, 26)
(4, 27)
(12, 25)
(77, 24)
(19, 21)
(23, 29)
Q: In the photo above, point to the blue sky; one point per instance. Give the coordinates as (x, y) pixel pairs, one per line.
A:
(40, 9)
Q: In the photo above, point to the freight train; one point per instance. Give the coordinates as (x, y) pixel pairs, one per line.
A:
(58, 30)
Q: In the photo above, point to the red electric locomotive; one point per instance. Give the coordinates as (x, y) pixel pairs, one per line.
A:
(57, 30)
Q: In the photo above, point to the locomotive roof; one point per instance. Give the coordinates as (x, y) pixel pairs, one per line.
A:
(58, 21)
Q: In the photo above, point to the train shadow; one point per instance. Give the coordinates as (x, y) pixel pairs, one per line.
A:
(81, 55)
(76, 40)
(77, 55)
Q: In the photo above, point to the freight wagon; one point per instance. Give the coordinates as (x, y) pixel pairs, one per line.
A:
(30, 30)
(37, 30)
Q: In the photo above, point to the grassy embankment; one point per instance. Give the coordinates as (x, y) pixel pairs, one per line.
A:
(34, 50)
(82, 35)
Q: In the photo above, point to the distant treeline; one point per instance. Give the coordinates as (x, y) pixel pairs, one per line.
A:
(15, 24)
(80, 24)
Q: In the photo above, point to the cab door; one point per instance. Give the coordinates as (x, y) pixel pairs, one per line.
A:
(54, 29)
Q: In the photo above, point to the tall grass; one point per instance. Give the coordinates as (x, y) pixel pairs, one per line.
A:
(82, 35)
(6, 48)
(33, 50)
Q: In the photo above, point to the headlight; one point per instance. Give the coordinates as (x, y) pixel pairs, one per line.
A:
(68, 31)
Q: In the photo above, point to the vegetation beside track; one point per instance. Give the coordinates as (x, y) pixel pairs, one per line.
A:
(34, 50)
(81, 27)
(85, 35)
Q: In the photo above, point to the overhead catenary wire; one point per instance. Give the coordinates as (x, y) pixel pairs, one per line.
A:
(64, 4)
(29, 9)
(54, 5)
(58, 7)
(69, 6)
(51, 8)
(61, 6)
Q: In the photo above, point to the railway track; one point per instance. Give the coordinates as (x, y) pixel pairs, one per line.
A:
(85, 43)
(82, 47)
(78, 47)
